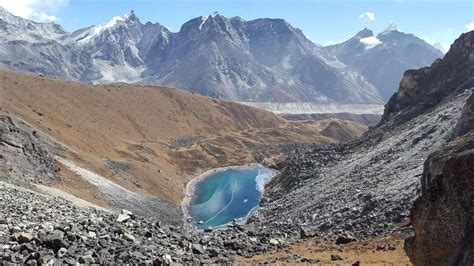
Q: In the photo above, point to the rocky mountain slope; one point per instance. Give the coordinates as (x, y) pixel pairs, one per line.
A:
(383, 58)
(226, 58)
(442, 215)
(368, 186)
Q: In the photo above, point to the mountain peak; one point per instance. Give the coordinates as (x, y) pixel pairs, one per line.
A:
(364, 33)
(130, 15)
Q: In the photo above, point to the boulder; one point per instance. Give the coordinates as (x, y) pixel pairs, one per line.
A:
(345, 238)
(336, 257)
(198, 249)
(443, 216)
(128, 237)
(121, 218)
(308, 232)
(23, 237)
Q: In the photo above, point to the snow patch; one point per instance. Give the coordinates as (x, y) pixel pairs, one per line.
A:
(203, 20)
(97, 30)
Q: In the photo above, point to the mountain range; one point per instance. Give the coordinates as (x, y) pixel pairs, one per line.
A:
(262, 60)
(383, 58)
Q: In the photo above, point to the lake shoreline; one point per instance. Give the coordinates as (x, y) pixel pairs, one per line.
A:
(191, 188)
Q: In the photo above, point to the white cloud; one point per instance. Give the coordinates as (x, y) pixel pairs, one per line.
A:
(37, 10)
(370, 42)
(470, 26)
(367, 16)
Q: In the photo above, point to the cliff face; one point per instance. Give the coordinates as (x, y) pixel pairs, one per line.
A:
(443, 217)
(422, 89)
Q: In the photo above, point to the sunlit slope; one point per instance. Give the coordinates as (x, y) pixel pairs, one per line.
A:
(152, 139)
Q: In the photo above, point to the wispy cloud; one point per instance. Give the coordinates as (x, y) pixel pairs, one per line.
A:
(470, 26)
(367, 16)
(37, 10)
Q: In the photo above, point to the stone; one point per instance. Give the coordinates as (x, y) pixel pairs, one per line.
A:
(336, 257)
(62, 252)
(122, 218)
(166, 259)
(55, 241)
(345, 238)
(307, 232)
(28, 247)
(310, 260)
(274, 241)
(23, 237)
(197, 249)
(128, 237)
(214, 252)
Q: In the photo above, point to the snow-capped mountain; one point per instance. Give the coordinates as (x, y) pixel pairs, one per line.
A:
(16, 28)
(383, 58)
(229, 58)
(263, 60)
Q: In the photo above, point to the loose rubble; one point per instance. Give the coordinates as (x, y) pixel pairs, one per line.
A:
(39, 229)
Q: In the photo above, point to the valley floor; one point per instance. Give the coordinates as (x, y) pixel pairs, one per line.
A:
(386, 250)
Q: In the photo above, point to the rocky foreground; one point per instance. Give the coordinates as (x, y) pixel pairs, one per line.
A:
(39, 229)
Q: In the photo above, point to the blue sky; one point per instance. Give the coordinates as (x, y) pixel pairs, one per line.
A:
(322, 21)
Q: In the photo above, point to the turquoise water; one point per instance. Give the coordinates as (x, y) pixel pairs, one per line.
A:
(226, 195)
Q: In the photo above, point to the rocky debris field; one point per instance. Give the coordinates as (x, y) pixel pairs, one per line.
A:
(25, 157)
(366, 187)
(39, 229)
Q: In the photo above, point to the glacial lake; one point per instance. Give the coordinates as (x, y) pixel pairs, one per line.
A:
(227, 194)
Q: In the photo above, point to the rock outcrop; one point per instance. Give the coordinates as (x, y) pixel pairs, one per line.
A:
(26, 155)
(443, 217)
(422, 89)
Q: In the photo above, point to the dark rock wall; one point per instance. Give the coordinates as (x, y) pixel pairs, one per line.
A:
(443, 217)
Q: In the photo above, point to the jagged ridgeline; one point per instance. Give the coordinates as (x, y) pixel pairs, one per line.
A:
(262, 60)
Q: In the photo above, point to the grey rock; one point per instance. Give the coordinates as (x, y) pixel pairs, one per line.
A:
(23, 237)
(128, 237)
(336, 257)
(122, 218)
(197, 249)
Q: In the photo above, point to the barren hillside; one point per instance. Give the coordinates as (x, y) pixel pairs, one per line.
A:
(151, 140)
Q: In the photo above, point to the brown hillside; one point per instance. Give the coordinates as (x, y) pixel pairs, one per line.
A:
(152, 139)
